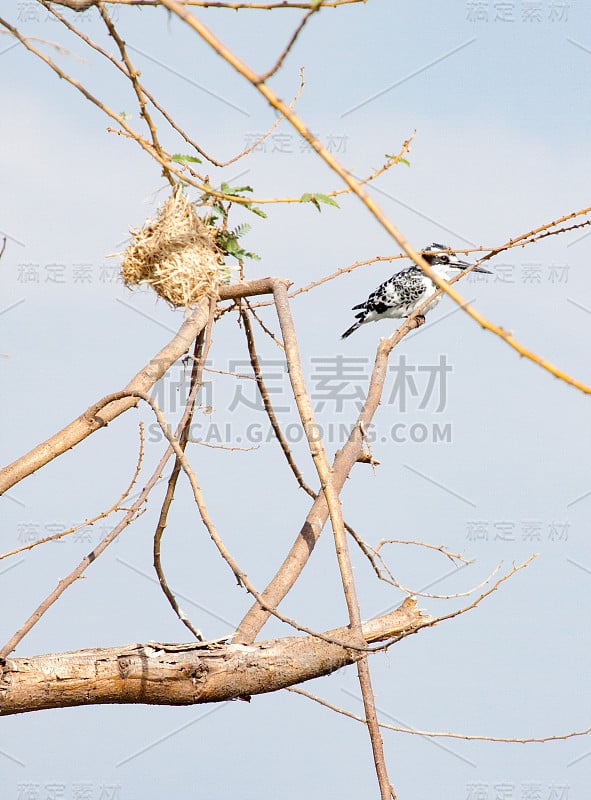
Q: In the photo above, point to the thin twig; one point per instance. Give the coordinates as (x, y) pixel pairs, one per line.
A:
(390, 162)
(372, 554)
(474, 603)
(216, 446)
(83, 5)
(258, 142)
(438, 734)
(239, 375)
(269, 332)
(200, 355)
(54, 45)
(133, 75)
(453, 557)
(429, 622)
(277, 66)
(76, 573)
(115, 507)
(256, 368)
(343, 271)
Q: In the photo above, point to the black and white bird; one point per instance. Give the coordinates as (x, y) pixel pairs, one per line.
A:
(405, 291)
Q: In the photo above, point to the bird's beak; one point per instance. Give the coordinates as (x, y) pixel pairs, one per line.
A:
(465, 265)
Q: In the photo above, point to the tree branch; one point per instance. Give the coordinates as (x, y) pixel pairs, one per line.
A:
(344, 460)
(443, 734)
(331, 495)
(202, 345)
(89, 421)
(185, 674)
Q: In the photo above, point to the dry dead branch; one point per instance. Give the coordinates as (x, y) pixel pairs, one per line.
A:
(185, 674)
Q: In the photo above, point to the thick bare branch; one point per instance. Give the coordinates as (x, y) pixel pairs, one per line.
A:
(248, 288)
(184, 674)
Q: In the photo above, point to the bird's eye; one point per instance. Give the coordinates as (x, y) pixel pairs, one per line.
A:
(444, 259)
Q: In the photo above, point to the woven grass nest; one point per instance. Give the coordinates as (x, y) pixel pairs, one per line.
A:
(176, 254)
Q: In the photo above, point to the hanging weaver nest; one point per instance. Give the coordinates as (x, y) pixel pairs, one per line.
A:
(176, 254)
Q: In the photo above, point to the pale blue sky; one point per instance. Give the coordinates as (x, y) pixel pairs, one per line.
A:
(502, 118)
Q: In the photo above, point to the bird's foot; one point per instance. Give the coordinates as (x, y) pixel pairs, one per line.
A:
(418, 321)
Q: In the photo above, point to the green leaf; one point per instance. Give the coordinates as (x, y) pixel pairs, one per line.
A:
(228, 242)
(190, 159)
(226, 189)
(318, 198)
(217, 211)
(330, 201)
(258, 211)
(231, 247)
(240, 230)
(400, 160)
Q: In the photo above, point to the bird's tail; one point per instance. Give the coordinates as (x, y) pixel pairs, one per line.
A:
(352, 329)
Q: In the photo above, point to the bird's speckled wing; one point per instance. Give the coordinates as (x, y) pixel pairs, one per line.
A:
(401, 290)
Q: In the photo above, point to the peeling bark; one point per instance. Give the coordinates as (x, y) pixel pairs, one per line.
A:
(186, 674)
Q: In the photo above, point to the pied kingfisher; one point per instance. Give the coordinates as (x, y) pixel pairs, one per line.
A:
(401, 294)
